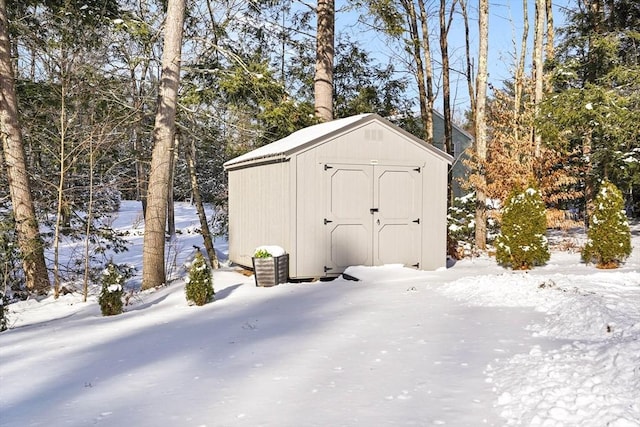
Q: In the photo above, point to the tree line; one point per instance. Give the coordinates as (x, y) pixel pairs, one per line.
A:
(104, 100)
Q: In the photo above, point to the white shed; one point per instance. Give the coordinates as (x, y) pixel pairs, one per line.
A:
(353, 191)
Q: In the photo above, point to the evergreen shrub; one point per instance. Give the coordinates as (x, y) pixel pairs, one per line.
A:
(522, 243)
(461, 226)
(199, 287)
(110, 298)
(609, 236)
(3, 311)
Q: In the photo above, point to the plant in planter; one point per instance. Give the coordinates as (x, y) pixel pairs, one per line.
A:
(199, 287)
(609, 235)
(262, 253)
(270, 265)
(110, 298)
(522, 243)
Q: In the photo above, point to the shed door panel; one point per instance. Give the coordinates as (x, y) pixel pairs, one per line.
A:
(348, 217)
(397, 230)
(373, 216)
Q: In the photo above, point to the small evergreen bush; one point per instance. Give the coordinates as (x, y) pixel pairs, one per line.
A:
(461, 226)
(522, 243)
(110, 298)
(3, 311)
(609, 237)
(199, 287)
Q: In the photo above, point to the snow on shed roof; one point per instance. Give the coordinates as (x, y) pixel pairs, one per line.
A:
(285, 146)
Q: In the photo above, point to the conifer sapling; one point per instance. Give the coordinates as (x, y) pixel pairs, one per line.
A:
(522, 243)
(199, 287)
(110, 298)
(3, 311)
(609, 236)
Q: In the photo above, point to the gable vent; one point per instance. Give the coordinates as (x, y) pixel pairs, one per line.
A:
(373, 134)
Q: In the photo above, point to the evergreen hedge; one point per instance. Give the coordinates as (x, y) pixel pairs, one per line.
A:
(609, 236)
(522, 243)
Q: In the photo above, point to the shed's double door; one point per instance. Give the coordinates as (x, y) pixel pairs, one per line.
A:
(372, 215)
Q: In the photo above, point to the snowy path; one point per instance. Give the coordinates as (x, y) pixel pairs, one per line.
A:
(326, 354)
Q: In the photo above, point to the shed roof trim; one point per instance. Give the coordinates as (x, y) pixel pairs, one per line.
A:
(311, 134)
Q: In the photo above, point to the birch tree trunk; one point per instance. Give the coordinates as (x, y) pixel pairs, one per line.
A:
(28, 234)
(153, 268)
(323, 80)
(481, 120)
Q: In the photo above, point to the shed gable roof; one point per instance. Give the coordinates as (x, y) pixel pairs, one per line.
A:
(281, 149)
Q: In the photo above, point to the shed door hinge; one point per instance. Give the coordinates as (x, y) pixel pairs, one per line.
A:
(417, 170)
(327, 167)
(327, 268)
(327, 221)
(417, 221)
(416, 265)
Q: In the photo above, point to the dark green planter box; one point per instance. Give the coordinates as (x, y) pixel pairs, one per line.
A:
(271, 271)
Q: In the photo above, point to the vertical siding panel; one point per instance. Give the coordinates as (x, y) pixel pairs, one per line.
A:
(258, 209)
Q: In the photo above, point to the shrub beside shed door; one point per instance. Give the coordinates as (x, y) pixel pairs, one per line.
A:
(372, 215)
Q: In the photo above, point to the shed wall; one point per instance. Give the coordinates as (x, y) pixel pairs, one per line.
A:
(434, 217)
(260, 210)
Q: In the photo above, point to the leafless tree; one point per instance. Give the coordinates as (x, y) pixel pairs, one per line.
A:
(153, 269)
(480, 119)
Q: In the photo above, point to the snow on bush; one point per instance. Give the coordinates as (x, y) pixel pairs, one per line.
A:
(609, 236)
(522, 243)
(199, 288)
(110, 298)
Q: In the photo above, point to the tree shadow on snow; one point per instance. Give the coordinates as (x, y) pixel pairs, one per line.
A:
(224, 293)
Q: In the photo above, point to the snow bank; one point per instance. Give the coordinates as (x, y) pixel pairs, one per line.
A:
(594, 379)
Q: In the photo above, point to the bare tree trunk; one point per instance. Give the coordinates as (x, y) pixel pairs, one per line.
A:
(418, 45)
(60, 204)
(323, 80)
(481, 121)
(28, 234)
(538, 76)
(87, 239)
(467, 48)
(427, 119)
(446, 85)
(153, 270)
(519, 77)
(171, 211)
(550, 48)
(197, 198)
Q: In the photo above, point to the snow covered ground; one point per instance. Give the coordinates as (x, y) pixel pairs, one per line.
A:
(471, 345)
